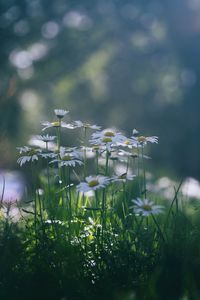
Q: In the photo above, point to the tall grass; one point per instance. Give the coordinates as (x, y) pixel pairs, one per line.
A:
(90, 231)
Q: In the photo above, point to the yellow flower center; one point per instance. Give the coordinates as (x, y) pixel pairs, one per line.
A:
(66, 157)
(127, 142)
(106, 140)
(96, 147)
(141, 139)
(147, 207)
(55, 124)
(93, 183)
(31, 152)
(109, 133)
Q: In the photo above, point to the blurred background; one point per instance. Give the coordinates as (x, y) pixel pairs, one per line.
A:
(122, 63)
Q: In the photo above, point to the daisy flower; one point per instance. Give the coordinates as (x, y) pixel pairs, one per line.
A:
(60, 113)
(98, 148)
(123, 177)
(45, 138)
(143, 140)
(88, 151)
(129, 143)
(93, 183)
(121, 155)
(68, 157)
(107, 137)
(69, 160)
(70, 150)
(146, 207)
(86, 125)
(42, 141)
(29, 154)
(48, 154)
(109, 132)
(57, 124)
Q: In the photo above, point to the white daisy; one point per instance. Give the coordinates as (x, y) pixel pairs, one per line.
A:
(146, 207)
(70, 150)
(86, 125)
(123, 177)
(142, 140)
(122, 155)
(60, 113)
(108, 132)
(68, 157)
(129, 143)
(48, 154)
(98, 148)
(67, 160)
(93, 183)
(88, 151)
(108, 137)
(57, 124)
(134, 154)
(30, 154)
(42, 141)
(45, 138)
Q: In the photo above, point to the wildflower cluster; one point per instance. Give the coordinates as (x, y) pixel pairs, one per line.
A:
(91, 176)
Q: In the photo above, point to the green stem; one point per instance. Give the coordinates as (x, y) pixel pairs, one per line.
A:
(70, 203)
(97, 162)
(107, 161)
(35, 198)
(144, 174)
(48, 177)
(41, 213)
(85, 144)
(69, 189)
(124, 201)
(139, 226)
(77, 203)
(175, 199)
(58, 146)
(138, 169)
(97, 199)
(127, 165)
(59, 135)
(159, 229)
(103, 211)
(3, 191)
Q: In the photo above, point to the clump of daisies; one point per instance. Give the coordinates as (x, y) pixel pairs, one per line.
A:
(90, 176)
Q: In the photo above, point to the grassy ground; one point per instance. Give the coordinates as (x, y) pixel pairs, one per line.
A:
(100, 236)
(135, 263)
